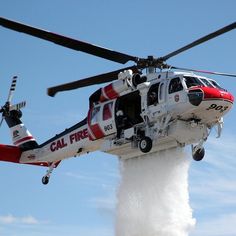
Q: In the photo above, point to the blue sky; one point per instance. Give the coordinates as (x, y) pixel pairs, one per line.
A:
(81, 197)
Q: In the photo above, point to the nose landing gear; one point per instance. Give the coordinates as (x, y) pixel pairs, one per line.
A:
(198, 152)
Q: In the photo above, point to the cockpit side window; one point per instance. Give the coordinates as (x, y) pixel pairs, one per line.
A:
(192, 81)
(175, 85)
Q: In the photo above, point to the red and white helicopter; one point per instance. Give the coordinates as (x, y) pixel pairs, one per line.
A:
(136, 113)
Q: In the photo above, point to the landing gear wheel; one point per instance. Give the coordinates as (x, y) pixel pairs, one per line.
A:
(199, 154)
(145, 144)
(45, 180)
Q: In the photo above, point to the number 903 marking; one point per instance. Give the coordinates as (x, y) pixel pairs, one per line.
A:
(108, 127)
(219, 108)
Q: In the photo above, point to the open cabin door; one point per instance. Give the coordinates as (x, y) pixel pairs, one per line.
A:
(101, 120)
(127, 111)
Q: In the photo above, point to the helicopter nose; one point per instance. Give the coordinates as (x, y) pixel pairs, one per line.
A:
(217, 94)
(195, 96)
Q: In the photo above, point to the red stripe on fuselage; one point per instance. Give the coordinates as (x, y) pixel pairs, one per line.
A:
(28, 138)
(108, 92)
(94, 130)
(97, 131)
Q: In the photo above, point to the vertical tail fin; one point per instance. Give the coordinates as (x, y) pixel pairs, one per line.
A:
(20, 135)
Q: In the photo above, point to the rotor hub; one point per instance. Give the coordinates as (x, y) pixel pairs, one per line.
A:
(151, 61)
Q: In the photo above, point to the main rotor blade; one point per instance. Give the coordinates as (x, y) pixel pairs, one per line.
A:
(200, 41)
(97, 79)
(204, 71)
(1, 121)
(68, 42)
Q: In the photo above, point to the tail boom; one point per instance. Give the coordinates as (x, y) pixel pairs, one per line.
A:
(9, 153)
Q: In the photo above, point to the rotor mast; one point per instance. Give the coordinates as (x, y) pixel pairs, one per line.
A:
(151, 68)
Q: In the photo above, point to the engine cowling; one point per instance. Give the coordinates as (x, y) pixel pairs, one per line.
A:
(126, 80)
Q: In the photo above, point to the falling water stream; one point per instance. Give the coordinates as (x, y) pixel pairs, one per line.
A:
(153, 197)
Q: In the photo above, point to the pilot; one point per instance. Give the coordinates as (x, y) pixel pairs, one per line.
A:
(175, 86)
(153, 99)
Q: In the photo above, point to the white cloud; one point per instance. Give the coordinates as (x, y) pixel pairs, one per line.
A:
(29, 220)
(8, 219)
(25, 220)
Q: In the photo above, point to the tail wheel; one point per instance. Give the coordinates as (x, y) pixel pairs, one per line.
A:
(145, 144)
(45, 180)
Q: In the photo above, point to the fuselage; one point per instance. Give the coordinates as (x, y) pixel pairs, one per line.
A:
(159, 107)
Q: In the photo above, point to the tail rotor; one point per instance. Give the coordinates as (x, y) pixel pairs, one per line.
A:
(5, 110)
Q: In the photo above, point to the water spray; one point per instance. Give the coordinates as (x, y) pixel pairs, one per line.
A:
(153, 198)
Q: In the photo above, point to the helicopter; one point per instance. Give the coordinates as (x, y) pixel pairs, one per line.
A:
(144, 108)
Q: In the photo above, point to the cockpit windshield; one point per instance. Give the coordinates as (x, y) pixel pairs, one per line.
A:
(216, 84)
(211, 83)
(207, 82)
(192, 81)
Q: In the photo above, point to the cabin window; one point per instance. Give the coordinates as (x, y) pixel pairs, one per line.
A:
(95, 115)
(175, 85)
(192, 81)
(107, 111)
(153, 94)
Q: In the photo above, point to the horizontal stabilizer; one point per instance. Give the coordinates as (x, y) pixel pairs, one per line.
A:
(10, 153)
(13, 153)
